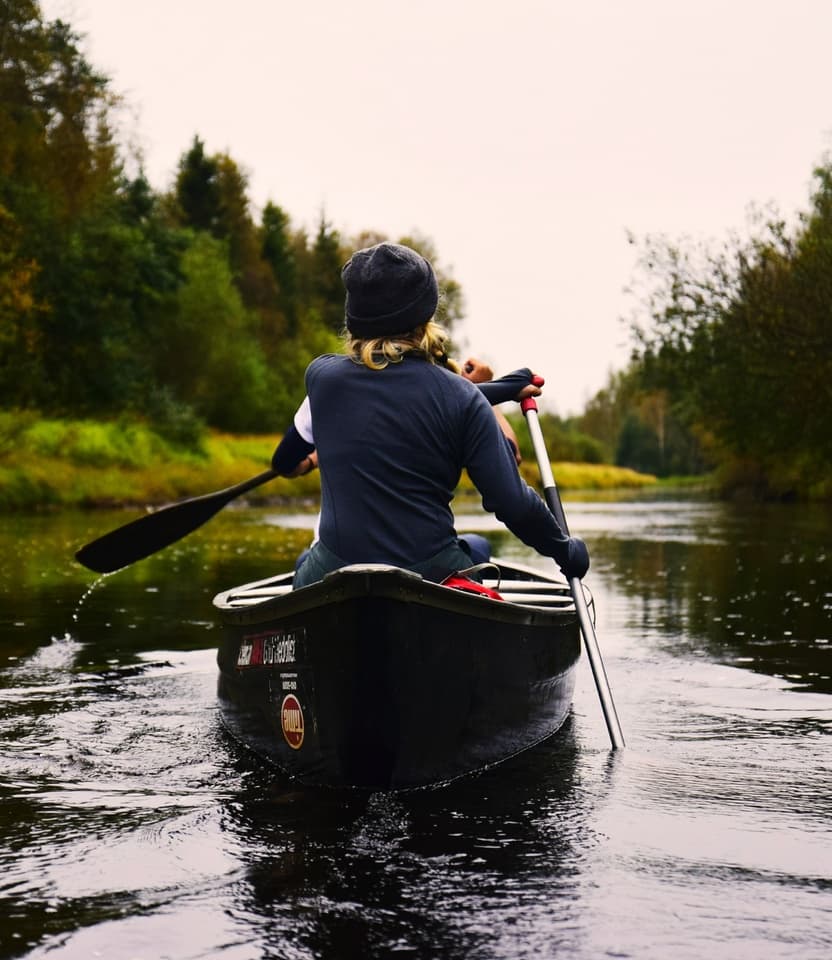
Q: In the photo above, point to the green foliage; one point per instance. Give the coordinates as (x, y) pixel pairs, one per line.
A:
(56, 153)
(638, 445)
(742, 343)
(587, 478)
(123, 442)
(110, 282)
(20, 312)
(116, 300)
(564, 440)
(327, 293)
(207, 320)
(276, 251)
(58, 173)
(13, 426)
(58, 462)
(176, 422)
(637, 426)
(197, 190)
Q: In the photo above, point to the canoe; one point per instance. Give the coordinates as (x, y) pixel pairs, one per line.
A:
(377, 679)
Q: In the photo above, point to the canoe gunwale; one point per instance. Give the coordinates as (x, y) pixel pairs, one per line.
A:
(380, 581)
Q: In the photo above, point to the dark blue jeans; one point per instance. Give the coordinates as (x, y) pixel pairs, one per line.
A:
(316, 562)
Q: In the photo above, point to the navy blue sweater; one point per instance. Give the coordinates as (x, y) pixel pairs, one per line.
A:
(392, 444)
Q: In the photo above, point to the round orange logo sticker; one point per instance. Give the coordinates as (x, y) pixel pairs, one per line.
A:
(291, 720)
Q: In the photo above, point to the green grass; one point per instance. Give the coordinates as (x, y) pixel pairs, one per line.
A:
(593, 476)
(50, 463)
(87, 463)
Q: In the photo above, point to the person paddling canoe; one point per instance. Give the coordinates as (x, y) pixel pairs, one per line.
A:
(393, 427)
(479, 549)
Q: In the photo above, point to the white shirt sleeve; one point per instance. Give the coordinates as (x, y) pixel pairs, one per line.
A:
(303, 425)
(303, 421)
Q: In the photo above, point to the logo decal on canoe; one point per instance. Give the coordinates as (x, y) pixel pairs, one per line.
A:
(267, 649)
(291, 720)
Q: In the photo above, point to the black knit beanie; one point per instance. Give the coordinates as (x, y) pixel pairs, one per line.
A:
(390, 288)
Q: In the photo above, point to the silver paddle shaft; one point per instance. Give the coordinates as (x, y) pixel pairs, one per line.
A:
(593, 651)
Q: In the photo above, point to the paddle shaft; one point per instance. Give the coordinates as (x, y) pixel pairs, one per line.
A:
(140, 538)
(593, 651)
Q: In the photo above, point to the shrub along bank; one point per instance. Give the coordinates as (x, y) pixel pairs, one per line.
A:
(51, 463)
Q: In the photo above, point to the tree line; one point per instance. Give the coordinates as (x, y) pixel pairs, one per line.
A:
(732, 364)
(186, 307)
(183, 305)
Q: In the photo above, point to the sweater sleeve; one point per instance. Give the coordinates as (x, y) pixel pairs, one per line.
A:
(507, 387)
(290, 451)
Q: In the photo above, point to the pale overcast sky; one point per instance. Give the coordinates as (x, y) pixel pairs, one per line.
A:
(526, 138)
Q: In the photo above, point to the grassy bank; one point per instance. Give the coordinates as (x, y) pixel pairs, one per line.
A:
(87, 463)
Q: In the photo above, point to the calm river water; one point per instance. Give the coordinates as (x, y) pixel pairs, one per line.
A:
(133, 828)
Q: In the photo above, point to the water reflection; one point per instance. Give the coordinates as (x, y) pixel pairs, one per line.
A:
(749, 587)
(132, 826)
(435, 873)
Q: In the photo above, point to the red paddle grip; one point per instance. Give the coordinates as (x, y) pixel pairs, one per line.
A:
(529, 402)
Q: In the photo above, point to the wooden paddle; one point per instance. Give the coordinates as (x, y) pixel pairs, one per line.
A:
(550, 491)
(139, 538)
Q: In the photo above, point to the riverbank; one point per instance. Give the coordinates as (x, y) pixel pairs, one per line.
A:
(89, 464)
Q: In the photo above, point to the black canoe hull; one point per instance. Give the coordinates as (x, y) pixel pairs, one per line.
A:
(379, 680)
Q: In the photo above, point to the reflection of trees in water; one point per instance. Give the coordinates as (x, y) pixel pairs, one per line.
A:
(755, 593)
(429, 873)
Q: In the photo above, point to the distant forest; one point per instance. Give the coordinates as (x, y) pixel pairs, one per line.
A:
(186, 308)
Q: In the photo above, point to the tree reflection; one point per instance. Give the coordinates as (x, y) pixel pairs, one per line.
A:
(752, 590)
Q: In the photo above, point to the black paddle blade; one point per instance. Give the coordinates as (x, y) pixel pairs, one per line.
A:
(139, 538)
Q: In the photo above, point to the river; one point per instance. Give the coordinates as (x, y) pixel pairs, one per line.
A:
(133, 828)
